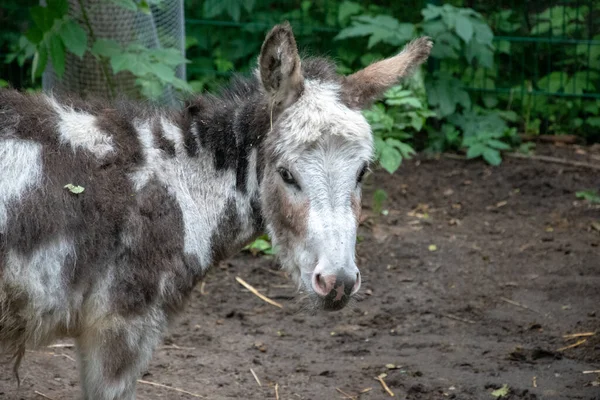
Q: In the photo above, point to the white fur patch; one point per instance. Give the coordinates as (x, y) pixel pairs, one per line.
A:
(39, 275)
(79, 130)
(153, 164)
(318, 112)
(21, 166)
(173, 133)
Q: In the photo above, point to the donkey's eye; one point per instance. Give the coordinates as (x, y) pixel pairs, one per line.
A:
(287, 176)
(362, 173)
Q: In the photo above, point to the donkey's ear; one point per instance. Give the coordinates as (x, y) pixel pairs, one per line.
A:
(365, 86)
(279, 66)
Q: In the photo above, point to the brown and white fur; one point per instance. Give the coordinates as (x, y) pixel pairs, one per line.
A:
(169, 193)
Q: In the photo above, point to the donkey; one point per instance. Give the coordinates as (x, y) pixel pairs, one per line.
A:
(164, 194)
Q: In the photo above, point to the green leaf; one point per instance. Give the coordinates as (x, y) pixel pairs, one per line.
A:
(74, 188)
(409, 101)
(482, 52)
(379, 197)
(475, 150)
(58, 7)
(382, 28)
(151, 88)
(74, 37)
(40, 59)
(590, 195)
(482, 32)
(431, 12)
(347, 9)
(593, 122)
(496, 144)
(106, 48)
(163, 72)
(126, 4)
(464, 28)
(144, 7)
(553, 82)
(503, 391)
(125, 61)
(405, 150)
(34, 35)
(169, 56)
(56, 49)
(390, 159)
(492, 156)
(42, 18)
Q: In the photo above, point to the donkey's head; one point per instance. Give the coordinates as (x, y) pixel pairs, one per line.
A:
(316, 154)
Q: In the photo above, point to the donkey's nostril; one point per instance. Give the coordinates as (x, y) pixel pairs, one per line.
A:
(322, 284)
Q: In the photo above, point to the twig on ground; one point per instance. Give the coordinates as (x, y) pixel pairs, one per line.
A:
(346, 395)
(384, 385)
(61, 346)
(554, 160)
(578, 343)
(534, 381)
(175, 347)
(514, 303)
(49, 353)
(578, 335)
(549, 159)
(365, 390)
(42, 395)
(202, 288)
(255, 377)
(256, 292)
(276, 391)
(160, 385)
(596, 371)
(468, 321)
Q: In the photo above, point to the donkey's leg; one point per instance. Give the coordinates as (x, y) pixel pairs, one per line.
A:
(112, 359)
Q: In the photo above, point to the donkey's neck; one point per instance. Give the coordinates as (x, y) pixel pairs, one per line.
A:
(219, 169)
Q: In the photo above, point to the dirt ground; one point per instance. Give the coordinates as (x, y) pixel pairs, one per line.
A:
(516, 266)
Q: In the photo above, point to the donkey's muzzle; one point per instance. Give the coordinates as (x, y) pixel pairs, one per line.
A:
(335, 290)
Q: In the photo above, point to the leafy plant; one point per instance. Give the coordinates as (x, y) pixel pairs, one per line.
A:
(261, 245)
(590, 195)
(53, 33)
(394, 121)
(153, 67)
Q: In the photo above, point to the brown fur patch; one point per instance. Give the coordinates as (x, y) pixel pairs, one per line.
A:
(291, 217)
(360, 89)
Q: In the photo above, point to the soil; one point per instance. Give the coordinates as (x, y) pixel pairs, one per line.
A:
(472, 275)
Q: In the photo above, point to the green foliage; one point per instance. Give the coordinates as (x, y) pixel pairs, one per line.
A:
(462, 42)
(53, 33)
(379, 29)
(379, 197)
(590, 195)
(261, 245)
(153, 67)
(74, 188)
(394, 120)
(458, 88)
